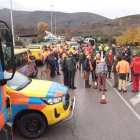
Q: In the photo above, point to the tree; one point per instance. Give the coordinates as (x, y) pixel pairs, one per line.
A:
(18, 42)
(42, 26)
(40, 38)
(34, 40)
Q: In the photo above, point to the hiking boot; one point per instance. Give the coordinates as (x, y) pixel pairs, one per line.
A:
(73, 88)
(105, 90)
(124, 90)
(58, 73)
(100, 89)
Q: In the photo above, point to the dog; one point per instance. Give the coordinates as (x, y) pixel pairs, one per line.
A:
(45, 73)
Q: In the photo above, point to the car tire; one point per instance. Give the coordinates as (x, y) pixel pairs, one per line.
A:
(32, 125)
(35, 72)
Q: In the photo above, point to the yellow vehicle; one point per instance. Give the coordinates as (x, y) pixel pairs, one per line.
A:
(24, 64)
(35, 104)
(37, 51)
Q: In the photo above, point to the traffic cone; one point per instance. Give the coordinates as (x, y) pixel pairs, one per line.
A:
(95, 85)
(84, 75)
(103, 101)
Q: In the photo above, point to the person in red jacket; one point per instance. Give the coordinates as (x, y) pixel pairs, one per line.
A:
(89, 48)
(135, 65)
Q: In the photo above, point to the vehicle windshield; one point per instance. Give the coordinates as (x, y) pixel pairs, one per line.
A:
(73, 44)
(18, 82)
(33, 47)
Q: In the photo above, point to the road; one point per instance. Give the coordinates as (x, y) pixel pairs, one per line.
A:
(119, 119)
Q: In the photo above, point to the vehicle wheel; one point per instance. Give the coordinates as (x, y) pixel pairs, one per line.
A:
(32, 125)
(35, 72)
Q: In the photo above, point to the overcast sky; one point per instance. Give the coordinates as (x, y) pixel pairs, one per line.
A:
(107, 8)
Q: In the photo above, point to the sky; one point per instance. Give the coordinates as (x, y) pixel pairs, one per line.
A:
(108, 8)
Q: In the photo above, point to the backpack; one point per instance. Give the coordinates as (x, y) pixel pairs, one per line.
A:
(136, 68)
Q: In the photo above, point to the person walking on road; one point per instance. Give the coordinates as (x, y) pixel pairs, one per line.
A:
(135, 66)
(65, 70)
(101, 71)
(123, 69)
(109, 62)
(116, 81)
(70, 64)
(81, 57)
(88, 67)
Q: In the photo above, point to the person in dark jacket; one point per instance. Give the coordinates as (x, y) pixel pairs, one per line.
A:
(70, 64)
(113, 49)
(119, 57)
(81, 58)
(88, 67)
(128, 60)
(65, 70)
(135, 66)
(56, 61)
(51, 61)
(116, 80)
(129, 51)
(109, 62)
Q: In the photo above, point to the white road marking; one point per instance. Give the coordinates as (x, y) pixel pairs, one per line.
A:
(135, 99)
(135, 113)
(129, 83)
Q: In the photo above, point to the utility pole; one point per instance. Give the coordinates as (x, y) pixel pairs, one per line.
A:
(12, 24)
(51, 20)
(55, 25)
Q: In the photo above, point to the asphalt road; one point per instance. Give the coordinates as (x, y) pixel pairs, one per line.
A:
(119, 119)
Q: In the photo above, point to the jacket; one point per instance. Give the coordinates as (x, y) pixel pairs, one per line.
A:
(92, 53)
(107, 60)
(135, 67)
(81, 56)
(101, 68)
(86, 65)
(69, 63)
(122, 67)
(114, 66)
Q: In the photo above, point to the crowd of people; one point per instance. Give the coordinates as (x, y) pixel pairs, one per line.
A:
(101, 61)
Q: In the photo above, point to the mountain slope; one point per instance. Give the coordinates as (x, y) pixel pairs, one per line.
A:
(29, 19)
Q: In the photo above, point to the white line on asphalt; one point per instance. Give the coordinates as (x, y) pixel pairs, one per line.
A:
(128, 84)
(135, 99)
(135, 113)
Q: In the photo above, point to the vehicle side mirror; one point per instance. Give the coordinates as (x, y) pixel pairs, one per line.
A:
(32, 57)
(6, 36)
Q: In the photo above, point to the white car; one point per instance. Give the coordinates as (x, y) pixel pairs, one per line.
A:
(73, 44)
(90, 40)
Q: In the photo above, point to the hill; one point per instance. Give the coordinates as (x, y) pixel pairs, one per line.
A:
(28, 20)
(109, 27)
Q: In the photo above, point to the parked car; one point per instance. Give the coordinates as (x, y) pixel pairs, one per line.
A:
(73, 44)
(90, 40)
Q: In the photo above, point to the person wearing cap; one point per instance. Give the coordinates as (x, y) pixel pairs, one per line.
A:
(101, 71)
(70, 64)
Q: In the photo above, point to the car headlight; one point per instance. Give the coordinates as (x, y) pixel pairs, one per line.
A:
(52, 101)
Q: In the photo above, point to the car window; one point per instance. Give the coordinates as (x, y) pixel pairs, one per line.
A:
(34, 47)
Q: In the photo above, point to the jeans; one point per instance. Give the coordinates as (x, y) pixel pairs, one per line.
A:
(65, 73)
(71, 75)
(81, 62)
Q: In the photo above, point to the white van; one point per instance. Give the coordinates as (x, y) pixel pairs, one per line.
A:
(90, 40)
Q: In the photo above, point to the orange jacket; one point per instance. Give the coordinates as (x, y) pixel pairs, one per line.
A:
(123, 67)
(46, 54)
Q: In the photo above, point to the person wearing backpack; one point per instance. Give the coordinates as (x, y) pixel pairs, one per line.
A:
(135, 65)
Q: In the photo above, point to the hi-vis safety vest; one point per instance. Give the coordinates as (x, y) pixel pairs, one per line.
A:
(100, 48)
(123, 67)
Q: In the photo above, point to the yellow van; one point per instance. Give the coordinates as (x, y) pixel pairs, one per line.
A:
(37, 51)
(36, 104)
